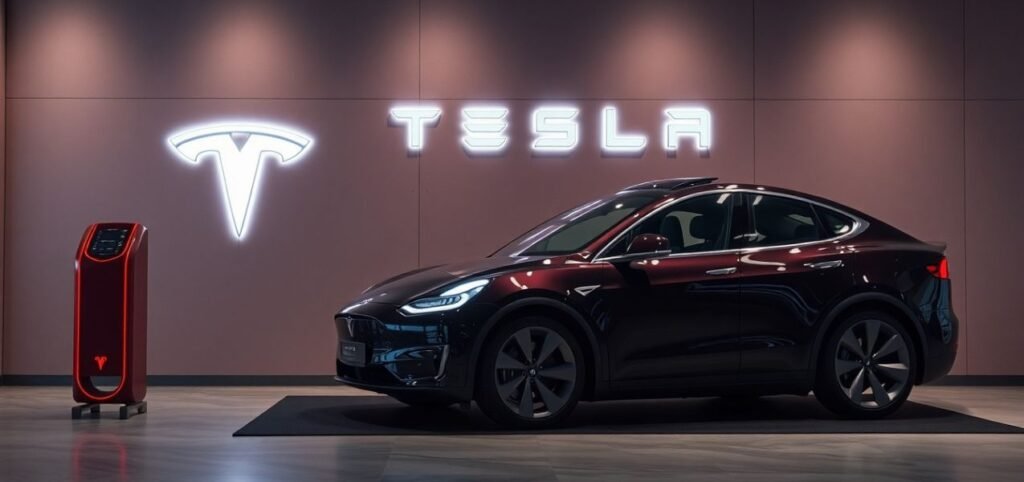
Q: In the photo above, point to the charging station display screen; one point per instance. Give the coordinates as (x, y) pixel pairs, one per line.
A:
(108, 242)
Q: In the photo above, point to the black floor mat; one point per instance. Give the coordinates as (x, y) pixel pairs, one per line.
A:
(377, 415)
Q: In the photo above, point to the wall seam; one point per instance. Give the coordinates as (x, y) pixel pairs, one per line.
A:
(753, 89)
(967, 317)
(3, 215)
(535, 99)
(419, 155)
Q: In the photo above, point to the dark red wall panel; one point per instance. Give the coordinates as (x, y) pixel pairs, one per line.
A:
(994, 173)
(856, 49)
(601, 49)
(862, 102)
(995, 66)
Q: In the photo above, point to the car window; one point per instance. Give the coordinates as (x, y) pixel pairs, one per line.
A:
(835, 223)
(575, 236)
(780, 220)
(694, 225)
(574, 229)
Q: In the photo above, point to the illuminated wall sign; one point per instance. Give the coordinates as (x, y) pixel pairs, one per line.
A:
(612, 141)
(415, 119)
(483, 128)
(555, 129)
(687, 122)
(239, 150)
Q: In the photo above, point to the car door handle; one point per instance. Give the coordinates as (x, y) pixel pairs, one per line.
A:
(825, 264)
(721, 271)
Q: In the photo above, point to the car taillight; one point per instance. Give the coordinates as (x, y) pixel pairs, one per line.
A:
(941, 270)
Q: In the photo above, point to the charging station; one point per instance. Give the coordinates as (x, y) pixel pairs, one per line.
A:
(110, 319)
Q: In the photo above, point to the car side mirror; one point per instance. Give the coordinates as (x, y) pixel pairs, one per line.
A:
(647, 246)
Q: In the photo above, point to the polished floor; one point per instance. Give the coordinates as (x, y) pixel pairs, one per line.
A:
(187, 436)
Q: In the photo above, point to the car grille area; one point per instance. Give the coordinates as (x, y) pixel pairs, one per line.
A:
(399, 354)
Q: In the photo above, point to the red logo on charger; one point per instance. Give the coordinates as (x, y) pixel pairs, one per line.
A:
(100, 361)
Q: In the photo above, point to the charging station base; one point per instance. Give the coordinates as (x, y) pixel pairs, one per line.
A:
(127, 410)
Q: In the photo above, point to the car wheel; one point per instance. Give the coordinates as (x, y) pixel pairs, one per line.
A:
(420, 401)
(866, 367)
(530, 374)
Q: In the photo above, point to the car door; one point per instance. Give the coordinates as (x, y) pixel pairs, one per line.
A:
(674, 317)
(791, 267)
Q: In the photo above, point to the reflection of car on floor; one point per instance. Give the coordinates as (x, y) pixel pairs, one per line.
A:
(681, 287)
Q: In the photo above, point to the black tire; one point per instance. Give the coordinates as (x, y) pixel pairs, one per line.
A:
(842, 368)
(423, 401)
(546, 390)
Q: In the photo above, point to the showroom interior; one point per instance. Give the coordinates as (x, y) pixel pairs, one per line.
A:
(369, 139)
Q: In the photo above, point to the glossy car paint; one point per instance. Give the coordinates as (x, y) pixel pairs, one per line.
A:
(662, 326)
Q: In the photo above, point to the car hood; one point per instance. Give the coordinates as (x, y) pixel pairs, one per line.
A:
(407, 286)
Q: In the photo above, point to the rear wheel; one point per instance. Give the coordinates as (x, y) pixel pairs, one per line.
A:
(530, 374)
(866, 367)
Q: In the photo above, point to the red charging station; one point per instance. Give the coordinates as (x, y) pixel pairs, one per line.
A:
(110, 318)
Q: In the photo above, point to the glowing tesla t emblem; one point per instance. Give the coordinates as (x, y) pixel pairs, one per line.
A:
(240, 150)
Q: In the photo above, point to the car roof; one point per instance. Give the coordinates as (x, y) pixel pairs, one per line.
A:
(670, 184)
(687, 185)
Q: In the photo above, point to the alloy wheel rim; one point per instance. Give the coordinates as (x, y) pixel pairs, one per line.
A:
(535, 373)
(872, 364)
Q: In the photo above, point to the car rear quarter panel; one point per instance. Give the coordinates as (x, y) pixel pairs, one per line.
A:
(892, 275)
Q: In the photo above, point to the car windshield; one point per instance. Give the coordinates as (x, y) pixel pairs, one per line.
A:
(571, 231)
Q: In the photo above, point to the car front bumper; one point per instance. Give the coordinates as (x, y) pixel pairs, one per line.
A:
(383, 350)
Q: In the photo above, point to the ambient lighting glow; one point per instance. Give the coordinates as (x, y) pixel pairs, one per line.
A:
(240, 149)
(483, 128)
(415, 119)
(612, 141)
(555, 129)
(691, 122)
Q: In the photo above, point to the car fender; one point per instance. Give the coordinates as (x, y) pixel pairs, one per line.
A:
(832, 317)
(537, 299)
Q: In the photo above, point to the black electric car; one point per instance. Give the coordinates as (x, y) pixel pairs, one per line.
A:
(680, 287)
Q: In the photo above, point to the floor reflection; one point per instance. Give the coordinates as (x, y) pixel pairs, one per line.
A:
(99, 454)
(187, 436)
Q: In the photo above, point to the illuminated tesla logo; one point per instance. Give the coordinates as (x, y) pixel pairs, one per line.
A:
(239, 150)
(555, 129)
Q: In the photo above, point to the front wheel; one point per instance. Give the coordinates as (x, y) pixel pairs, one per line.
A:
(866, 367)
(530, 374)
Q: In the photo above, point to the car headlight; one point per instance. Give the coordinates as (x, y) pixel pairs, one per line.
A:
(451, 299)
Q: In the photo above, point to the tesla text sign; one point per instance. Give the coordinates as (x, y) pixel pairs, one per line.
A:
(555, 128)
